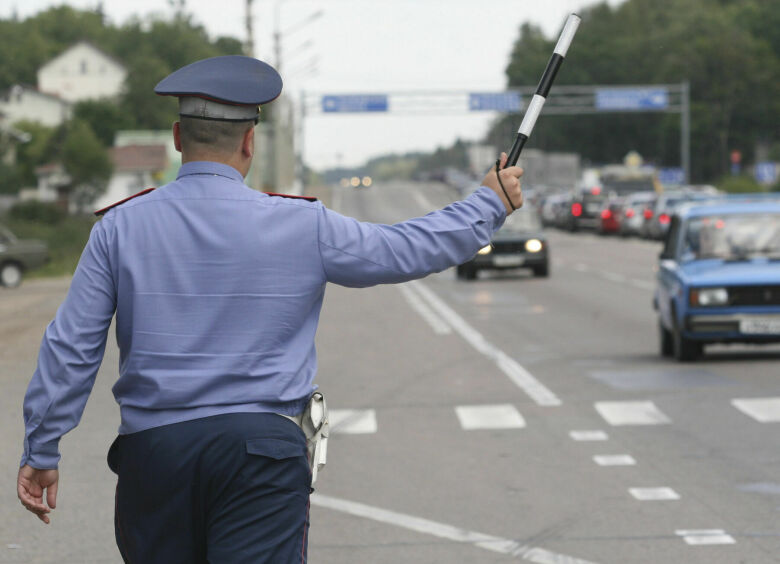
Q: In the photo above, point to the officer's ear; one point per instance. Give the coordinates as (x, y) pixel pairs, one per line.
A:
(248, 143)
(177, 136)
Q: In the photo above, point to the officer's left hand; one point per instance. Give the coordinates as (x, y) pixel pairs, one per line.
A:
(30, 485)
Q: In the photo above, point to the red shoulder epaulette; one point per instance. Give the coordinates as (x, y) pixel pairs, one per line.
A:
(115, 204)
(307, 198)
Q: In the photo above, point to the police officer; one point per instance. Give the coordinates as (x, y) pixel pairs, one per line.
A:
(217, 290)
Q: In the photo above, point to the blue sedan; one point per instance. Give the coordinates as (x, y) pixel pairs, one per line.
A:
(719, 277)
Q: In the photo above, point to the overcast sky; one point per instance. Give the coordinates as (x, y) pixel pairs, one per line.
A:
(376, 46)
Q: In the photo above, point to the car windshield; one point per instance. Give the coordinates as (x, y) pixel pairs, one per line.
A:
(522, 221)
(733, 237)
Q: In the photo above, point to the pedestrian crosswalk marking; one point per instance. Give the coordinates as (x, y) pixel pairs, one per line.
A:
(654, 494)
(631, 413)
(588, 435)
(352, 421)
(763, 410)
(503, 416)
(699, 537)
(614, 460)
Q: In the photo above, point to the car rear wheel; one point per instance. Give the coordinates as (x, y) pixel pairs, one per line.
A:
(10, 275)
(666, 340)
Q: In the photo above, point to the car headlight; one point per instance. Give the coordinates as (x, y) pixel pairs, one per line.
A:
(533, 245)
(486, 250)
(709, 297)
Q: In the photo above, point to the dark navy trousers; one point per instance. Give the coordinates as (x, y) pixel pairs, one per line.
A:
(227, 489)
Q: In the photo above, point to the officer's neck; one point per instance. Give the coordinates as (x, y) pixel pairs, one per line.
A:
(236, 160)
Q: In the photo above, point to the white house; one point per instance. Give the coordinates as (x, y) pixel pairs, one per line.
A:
(136, 167)
(26, 103)
(82, 72)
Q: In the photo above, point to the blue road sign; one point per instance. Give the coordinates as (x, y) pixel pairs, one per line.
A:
(495, 101)
(766, 172)
(671, 176)
(632, 99)
(355, 103)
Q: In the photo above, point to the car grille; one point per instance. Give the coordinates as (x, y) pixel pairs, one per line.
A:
(754, 295)
(509, 247)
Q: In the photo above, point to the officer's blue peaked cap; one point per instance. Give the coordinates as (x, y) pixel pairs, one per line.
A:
(227, 88)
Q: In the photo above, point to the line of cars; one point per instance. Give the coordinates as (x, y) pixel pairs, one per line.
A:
(645, 213)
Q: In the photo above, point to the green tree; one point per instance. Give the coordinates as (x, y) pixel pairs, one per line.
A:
(86, 161)
(104, 117)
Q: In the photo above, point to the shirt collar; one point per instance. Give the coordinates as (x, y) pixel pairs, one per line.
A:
(209, 168)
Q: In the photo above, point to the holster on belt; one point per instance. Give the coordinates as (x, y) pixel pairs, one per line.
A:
(315, 425)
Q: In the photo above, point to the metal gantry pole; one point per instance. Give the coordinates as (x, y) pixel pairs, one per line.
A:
(685, 131)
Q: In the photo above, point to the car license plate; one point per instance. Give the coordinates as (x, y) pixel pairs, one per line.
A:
(760, 326)
(508, 260)
(593, 208)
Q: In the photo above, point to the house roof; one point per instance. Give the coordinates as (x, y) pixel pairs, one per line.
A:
(89, 44)
(139, 158)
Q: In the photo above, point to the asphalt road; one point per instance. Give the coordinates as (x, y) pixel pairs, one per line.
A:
(507, 419)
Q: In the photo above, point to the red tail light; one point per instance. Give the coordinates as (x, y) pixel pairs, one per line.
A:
(576, 209)
(663, 219)
(648, 213)
(606, 214)
(629, 212)
(596, 190)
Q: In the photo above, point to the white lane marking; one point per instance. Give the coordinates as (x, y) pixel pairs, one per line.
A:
(631, 413)
(519, 375)
(614, 460)
(614, 277)
(763, 410)
(352, 421)
(502, 416)
(423, 202)
(654, 494)
(699, 537)
(643, 284)
(444, 531)
(439, 326)
(588, 435)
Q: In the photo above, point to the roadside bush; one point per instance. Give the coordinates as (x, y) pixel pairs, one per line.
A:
(38, 212)
(739, 184)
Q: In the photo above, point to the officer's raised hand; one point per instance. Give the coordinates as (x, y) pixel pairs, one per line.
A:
(511, 194)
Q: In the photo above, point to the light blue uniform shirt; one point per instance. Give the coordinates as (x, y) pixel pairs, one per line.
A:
(217, 290)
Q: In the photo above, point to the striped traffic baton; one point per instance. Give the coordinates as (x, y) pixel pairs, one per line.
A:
(535, 107)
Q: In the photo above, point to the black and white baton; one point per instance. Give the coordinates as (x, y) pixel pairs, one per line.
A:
(535, 107)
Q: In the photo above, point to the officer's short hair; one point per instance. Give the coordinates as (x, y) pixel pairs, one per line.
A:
(213, 135)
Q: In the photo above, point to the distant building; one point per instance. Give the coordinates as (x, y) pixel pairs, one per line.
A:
(25, 103)
(53, 185)
(136, 167)
(82, 72)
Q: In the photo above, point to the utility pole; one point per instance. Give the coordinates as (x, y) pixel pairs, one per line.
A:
(249, 45)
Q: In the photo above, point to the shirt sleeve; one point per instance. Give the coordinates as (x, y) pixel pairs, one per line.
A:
(70, 354)
(359, 254)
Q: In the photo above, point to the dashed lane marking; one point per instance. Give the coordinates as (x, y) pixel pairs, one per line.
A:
(699, 537)
(588, 435)
(352, 421)
(444, 531)
(439, 326)
(631, 413)
(519, 375)
(503, 416)
(763, 410)
(614, 460)
(654, 494)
